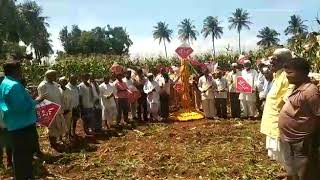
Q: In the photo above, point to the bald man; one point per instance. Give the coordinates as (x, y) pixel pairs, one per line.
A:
(274, 102)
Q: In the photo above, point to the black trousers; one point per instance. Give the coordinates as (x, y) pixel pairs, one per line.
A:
(87, 116)
(123, 109)
(98, 118)
(76, 112)
(164, 105)
(235, 105)
(24, 144)
(221, 106)
(4, 143)
(142, 107)
(301, 158)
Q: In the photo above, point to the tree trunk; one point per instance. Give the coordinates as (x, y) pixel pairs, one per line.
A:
(239, 43)
(189, 41)
(165, 48)
(213, 46)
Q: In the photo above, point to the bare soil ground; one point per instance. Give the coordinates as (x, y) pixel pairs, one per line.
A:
(203, 149)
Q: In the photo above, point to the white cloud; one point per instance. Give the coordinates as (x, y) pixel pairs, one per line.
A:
(266, 10)
(56, 43)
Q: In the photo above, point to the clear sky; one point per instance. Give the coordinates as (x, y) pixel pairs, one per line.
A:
(139, 17)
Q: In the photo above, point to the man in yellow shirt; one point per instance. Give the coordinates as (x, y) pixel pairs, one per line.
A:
(274, 102)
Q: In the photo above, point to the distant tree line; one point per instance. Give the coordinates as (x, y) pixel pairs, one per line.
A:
(110, 40)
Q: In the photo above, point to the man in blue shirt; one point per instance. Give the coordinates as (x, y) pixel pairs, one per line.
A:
(19, 117)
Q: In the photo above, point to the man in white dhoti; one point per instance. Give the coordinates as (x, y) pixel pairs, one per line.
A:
(152, 89)
(248, 100)
(206, 86)
(275, 100)
(50, 88)
(109, 107)
(66, 104)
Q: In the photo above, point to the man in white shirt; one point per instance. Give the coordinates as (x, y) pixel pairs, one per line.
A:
(58, 126)
(206, 86)
(260, 83)
(87, 105)
(221, 95)
(109, 107)
(233, 94)
(75, 96)
(152, 89)
(267, 85)
(66, 104)
(129, 82)
(248, 100)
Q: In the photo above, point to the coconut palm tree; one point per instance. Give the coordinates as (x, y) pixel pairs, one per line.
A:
(36, 26)
(211, 27)
(269, 37)
(240, 19)
(187, 31)
(296, 26)
(163, 33)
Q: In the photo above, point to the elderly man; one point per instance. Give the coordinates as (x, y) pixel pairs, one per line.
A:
(57, 128)
(266, 86)
(206, 86)
(233, 94)
(248, 100)
(19, 117)
(299, 124)
(274, 103)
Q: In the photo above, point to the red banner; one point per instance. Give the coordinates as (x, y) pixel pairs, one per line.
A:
(46, 112)
(242, 85)
(184, 52)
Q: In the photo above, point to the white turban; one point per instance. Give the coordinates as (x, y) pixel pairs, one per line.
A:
(62, 78)
(50, 72)
(234, 64)
(247, 62)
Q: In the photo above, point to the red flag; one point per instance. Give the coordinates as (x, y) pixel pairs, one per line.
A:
(46, 112)
(242, 85)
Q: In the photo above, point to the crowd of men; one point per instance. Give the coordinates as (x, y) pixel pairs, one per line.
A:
(289, 112)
